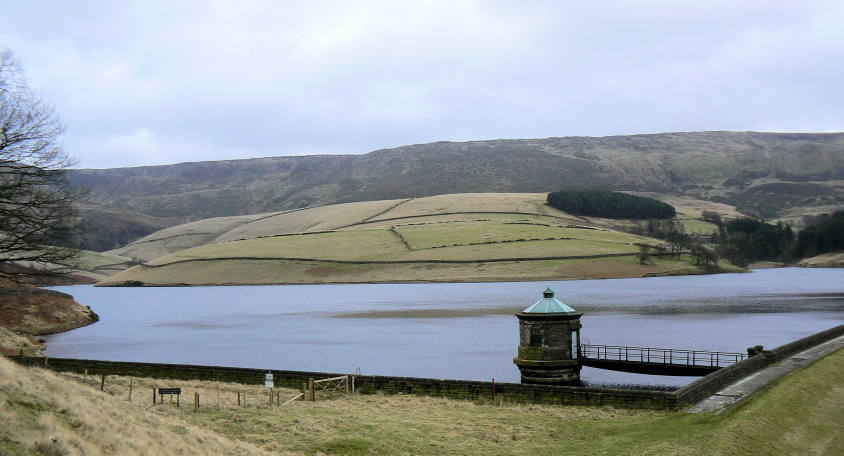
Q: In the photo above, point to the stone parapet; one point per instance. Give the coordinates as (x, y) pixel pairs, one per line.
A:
(707, 386)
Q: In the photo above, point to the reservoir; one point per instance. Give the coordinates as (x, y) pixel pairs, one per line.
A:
(446, 330)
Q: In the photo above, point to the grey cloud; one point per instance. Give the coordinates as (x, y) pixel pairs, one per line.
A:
(160, 82)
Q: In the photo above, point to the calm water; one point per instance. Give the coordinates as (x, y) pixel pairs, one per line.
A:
(460, 331)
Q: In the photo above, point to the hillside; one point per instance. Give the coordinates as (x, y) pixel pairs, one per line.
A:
(779, 175)
(103, 227)
(445, 238)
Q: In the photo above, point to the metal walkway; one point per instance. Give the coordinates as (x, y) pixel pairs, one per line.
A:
(656, 361)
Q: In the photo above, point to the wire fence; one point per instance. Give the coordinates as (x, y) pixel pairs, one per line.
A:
(145, 393)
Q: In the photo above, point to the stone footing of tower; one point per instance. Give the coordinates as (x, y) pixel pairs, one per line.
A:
(549, 373)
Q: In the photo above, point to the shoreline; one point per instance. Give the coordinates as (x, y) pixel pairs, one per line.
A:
(28, 312)
(605, 269)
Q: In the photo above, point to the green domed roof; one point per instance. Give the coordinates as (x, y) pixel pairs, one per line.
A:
(548, 304)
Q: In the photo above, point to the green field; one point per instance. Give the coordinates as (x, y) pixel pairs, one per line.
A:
(468, 237)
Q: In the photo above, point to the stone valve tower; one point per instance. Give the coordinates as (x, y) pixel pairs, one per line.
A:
(549, 342)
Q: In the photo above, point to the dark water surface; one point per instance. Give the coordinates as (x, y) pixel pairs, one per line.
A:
(458, 331)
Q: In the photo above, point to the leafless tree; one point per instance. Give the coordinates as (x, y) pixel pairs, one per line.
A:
(703, 254)
(712, 217)
(678, 242)
(644, 255)
(37, 212)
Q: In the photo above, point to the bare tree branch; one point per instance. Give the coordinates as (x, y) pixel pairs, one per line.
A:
(37, 203)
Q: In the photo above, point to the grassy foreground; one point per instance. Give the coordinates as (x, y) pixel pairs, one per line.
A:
(45, 413)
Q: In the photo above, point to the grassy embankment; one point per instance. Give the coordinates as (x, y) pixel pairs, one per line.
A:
(42, 411)
(449, 238)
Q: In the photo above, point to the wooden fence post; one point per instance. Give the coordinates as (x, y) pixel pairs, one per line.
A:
(196, 402)
(102, 385)
(304, 391)
(311, 392)
(271, 397)
(238, 399)
(130, 389)
(153, 395)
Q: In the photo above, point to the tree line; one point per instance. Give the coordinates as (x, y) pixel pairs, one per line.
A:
(825, 234)
(609, 204)
(745, 240)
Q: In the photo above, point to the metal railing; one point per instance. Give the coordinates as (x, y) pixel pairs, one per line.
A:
(660, 355)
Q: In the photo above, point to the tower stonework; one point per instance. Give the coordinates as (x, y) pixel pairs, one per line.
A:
(549, 342)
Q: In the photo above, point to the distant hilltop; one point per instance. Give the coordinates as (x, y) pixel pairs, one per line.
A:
(772, 175)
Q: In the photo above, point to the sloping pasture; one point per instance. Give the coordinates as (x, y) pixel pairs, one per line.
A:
(463, 237)
(181, 237)
(312, 219)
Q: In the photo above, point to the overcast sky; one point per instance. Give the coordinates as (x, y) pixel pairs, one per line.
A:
(155, 82)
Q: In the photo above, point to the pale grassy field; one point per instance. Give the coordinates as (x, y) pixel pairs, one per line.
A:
(312, 219)
(523, 203)
(698, 226)
(251, 272)
(94, 265)
(449, 241)
(523, 249)
(827, 260)
(100, 265)
(46, 413)
(355, 215)
(506, 229)
(180, 237)
(287, 259)
(467, 227)
(689, 218)
(693, 206)
(370, 244)
(423, 220)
